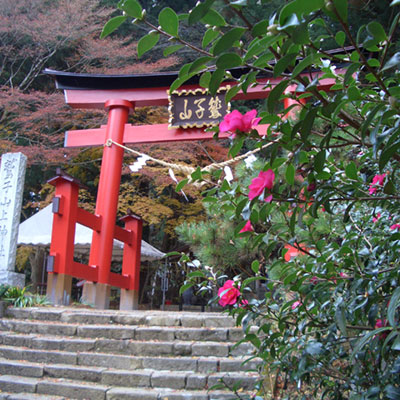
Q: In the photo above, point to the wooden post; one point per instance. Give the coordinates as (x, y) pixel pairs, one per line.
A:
(107, 198)
(59, 267)
(129, 299)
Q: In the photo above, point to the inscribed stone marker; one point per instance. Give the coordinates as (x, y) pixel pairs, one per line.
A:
(12, 176)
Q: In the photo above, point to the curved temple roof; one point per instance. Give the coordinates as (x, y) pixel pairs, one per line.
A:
(72, 81)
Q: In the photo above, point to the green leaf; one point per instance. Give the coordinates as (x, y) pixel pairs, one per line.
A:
(213, 18)
(363, 341)
(179, 82)
(283, 63)
(387, 153)
(237, 146)
(351, 171)
(260, 28)
(199, 64)
(215, 81)
(185, 287)
(393, 304)
(353, 93)
(342, 8)
(292, 222)
(239, 208)
(299, 7)
(196, 274)
(208, 37)
(308, 123)
(376, 30)
(319, 161)
(196, 175)
(303, 64)
(275, 95)
(169, 21)
(292, 20)
(181, 184)
(205, 79)
(226, 41)
(350, 71)
(340, 38)
(172, 49)
(146, 43)
(255, 266)
(289, 174)
(132, 8)
(228, 60)
(199, 11)
(340, 317)
(231, 93)
(112, 25)
(247, 281)
(393, 62)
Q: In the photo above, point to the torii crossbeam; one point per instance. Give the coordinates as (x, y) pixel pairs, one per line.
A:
(120, 94)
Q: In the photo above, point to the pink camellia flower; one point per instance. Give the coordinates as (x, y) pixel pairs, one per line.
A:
(311, 187)
(380, 323)
(265, 179)
(377, 180)
(375, 219)
(243, 303)
(343, 275)
(247, 228)
(292, 252)
(395, 226)
(296, 304)
(228, 294)
(235, 121)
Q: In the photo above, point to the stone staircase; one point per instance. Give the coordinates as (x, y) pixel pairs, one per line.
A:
(66, 353)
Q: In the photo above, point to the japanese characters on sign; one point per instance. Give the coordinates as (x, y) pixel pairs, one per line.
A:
(5, 201)
(196, 108)
(12, 173)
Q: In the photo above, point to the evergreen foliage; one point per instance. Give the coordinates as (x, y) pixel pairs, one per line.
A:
(322, 210)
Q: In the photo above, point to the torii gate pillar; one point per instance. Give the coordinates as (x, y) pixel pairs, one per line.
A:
(107, 202)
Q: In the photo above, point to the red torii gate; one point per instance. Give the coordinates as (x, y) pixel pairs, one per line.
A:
(118, 95)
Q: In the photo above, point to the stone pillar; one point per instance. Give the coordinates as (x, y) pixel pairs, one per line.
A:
(12, 176)
(96, 295)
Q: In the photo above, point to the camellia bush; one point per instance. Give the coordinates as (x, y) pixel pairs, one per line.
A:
(323, 208)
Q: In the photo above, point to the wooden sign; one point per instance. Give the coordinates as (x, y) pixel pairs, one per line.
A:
(196, 108)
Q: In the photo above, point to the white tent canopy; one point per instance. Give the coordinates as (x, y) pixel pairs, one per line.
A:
(36, 230)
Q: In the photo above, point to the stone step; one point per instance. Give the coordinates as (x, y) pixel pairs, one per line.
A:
(127, 378)
(29, 396)
(126, 346)
(128, 362)
(65, 388)
(102, 317)
(72, 353)
(118, 332)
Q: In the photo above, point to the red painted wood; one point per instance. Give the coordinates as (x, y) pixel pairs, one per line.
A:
(131, 255)
(63, 230)
(88, 219)
(108, 190)
(83, 271)
(118, 280)
(122, 235)
(144, 134)
(159, 96)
